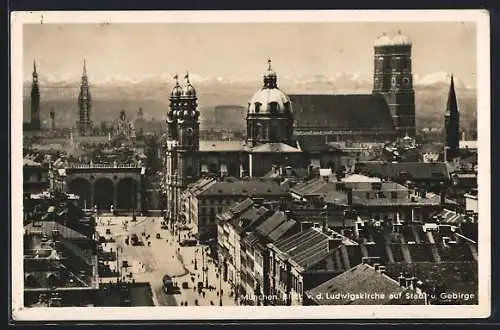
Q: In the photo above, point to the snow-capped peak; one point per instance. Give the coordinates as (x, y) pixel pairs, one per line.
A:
(437, 79)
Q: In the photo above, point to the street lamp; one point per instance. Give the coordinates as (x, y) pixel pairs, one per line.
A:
(220, 288)
(203, 265)
(195, 259)
(133, 203)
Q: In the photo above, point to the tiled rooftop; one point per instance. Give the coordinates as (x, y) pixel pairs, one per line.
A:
(222, 146)
(250, 187)
(405, 171)
(304, 248)
(47, 228)
(359, 280)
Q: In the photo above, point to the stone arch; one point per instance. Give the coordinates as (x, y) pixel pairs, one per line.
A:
(127, 190)
(30, 281)
(83, 188)
(53, 280)
(104, 193)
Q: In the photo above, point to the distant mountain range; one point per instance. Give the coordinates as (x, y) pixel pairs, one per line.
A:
(151, 92)
(342, 81)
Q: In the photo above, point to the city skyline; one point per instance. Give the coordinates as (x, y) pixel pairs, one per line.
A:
(294, 49)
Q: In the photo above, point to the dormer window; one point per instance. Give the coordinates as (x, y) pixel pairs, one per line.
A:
(273, 107)
(257, 106)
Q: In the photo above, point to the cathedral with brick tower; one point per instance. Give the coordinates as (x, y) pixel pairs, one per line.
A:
(84, 124)
(385, 114)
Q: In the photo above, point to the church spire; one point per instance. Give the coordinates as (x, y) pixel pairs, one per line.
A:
(452, 118)
(35, 74)
(451, 105)
(84, 67)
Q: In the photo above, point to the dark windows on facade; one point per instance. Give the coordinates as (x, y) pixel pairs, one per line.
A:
(273, 107)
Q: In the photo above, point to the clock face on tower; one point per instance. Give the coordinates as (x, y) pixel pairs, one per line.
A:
(393, 81)
(189, 131)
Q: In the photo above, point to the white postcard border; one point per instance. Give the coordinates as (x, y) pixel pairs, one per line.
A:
(20, 313)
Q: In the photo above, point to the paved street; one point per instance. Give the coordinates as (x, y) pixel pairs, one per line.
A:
(157, 257)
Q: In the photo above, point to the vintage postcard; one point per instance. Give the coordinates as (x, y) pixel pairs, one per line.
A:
(250, 165)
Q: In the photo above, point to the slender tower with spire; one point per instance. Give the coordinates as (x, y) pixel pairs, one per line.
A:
(85, 105)
(452, 119)
(35, 101)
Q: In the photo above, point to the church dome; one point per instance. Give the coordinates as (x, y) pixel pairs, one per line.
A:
(269, 99)
(188, 91)
(383, 40)
(396, 40)
(401, 39)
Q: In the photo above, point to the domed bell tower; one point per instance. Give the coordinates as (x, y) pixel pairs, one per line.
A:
(188, 128)
(182, 146)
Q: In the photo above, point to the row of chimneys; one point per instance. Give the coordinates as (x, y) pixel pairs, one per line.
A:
(280, 170)
(404, 281)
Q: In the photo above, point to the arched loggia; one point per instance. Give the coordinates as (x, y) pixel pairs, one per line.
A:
(82, 188)
(103, 193)
(127, 191)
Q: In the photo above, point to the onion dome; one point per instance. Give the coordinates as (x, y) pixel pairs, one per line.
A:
(269, 99)
(383, 40)
(397, 40)
(177, 90)
(189, 92)
(400, 40)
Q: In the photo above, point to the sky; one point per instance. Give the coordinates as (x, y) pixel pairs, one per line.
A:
(241, 50)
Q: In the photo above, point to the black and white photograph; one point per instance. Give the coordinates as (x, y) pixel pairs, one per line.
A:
(305, 164)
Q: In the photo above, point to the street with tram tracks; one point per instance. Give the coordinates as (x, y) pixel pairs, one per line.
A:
(156, 257)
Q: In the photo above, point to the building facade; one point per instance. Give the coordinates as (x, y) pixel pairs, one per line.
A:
(211, 197)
